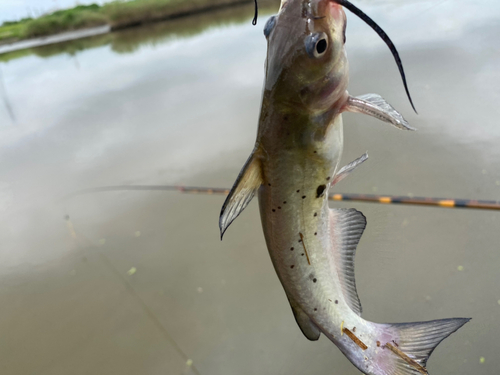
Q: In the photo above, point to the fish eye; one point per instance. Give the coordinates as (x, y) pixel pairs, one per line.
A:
(271, 22)
(316, 44)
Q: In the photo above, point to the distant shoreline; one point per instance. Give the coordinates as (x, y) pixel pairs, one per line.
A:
(52, 39)
(82, 21)
(179, 14)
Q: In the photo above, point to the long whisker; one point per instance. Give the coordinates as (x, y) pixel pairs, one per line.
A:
(384, 199)
(358, 12)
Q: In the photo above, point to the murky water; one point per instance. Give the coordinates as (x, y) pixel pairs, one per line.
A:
(138, 282)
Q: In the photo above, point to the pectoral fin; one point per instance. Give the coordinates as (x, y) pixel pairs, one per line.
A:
(347, 169)
(376, 106)
(247, 183)
(347, 226)
(306, 325)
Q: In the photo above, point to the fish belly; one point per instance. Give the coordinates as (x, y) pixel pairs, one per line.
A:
(295, 218)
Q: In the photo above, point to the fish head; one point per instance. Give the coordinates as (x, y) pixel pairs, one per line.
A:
(306, 64)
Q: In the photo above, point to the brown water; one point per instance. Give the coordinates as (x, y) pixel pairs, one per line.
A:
(160, 106)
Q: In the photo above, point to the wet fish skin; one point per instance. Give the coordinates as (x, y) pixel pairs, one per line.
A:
(293, 166)
(318, 84)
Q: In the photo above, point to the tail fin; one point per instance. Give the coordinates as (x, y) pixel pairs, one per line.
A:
(417, 341)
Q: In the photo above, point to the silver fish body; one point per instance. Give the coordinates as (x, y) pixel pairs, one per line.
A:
(292, 167)
(299, 230)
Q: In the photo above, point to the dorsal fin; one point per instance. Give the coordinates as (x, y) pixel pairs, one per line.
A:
(244, 188)
(346, 229)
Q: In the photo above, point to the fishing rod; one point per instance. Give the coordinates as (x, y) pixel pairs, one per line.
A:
(369, 198)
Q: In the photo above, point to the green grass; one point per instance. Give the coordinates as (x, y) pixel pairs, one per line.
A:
(79, 17)
(13, 30)
(117, 14)
(63, 21)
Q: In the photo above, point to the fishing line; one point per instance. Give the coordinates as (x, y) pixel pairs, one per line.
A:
(7, 104)
(358, 12)
(256, 15)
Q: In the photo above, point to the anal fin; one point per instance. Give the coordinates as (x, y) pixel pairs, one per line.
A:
(306, 325)
(346, 229)
(242, 192)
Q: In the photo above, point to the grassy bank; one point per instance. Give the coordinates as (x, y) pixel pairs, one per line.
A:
(117, 14)
(64, 20)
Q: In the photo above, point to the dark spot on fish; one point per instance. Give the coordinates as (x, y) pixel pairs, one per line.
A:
(274, 210)
(315, 152)
(320, 190)
(285, 118)
(268, 184)
(354, 329)
(279, 207)
(315, 309)
(328, 178)
(314, 280)
(315, 233)
(292, 266)
(378, 344)
(300, 241)
(303, 197)
(284, 202)
(302, 254)
(315, 214)
(292, 248)
(336, 301)
(298, 191)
